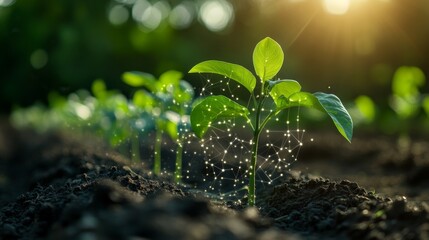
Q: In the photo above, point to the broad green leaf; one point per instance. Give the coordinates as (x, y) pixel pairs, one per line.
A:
(169, 80)
(324, 102)
(212, 108)
(267, 59)
(283, 88)
(140, 79)
(338, 113)
(299, 99)
(143, 99)
(233, 71)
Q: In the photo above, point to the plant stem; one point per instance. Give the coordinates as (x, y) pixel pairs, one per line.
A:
(253, 160)
(178, 170)
(157, 160)
(252, 174)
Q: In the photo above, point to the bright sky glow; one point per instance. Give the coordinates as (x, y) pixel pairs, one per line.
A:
(336, 7)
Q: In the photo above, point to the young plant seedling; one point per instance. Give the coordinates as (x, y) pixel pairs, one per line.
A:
(168, 99)
(268, 59)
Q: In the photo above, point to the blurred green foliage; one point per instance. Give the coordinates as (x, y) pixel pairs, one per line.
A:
(62, 46)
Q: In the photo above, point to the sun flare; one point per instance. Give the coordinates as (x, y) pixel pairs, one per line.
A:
(336, 7)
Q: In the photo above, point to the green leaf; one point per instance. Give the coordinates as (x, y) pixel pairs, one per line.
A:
(299, 99)
(407, 80)
(283, 88)
(143, 99)
(171, 129)
(328, 103)
(338, 113)
(267, 59)
(212, 108)
(169, 80)
(98, 88)
(140, 79)
(183, 93)
(366, 107)
(233, 71)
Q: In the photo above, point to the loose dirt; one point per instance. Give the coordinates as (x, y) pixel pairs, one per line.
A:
(55, 186)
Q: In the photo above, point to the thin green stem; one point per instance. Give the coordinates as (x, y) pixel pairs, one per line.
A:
(157, 160)
(253, 160)
(252, 169)
(178, 169)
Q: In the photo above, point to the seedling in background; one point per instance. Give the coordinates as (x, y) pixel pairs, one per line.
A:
(268, 59)
(116, 120)
(168, 99)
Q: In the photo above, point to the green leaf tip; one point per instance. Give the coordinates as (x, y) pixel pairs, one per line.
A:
(328, 103)
(268, 58)
(338, 113)
(213, 108)
(235, 72)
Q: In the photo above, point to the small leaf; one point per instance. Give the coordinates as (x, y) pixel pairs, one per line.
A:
(267, 59)
(283, 88)
(143, 99)
(233, 71)
(183, 93)
(171, 129)
(212, 108)
(299, 99)
(169, 78)
(366, 107)
(338, 113)
(98, 88)
(140, 79)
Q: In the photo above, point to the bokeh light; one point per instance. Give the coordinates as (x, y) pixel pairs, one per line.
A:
(182, 15)
(6, 3)
(216, 14)
(118, 15)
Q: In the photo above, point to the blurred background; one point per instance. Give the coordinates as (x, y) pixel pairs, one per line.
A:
(371, 53)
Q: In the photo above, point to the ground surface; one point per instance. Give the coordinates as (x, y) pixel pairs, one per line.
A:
(57, 187)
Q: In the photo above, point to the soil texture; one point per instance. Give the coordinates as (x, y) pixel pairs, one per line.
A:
(54, 186)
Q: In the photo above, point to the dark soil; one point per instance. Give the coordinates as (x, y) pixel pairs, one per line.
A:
(54, 186)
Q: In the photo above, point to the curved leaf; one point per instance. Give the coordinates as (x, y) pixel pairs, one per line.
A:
(169, 78)
(283, 88)
(233, 71)
(140, 79)
(299, 99)
(212, 108)
(338, 113)
(324, 102)
(143, 99)
(268, 58)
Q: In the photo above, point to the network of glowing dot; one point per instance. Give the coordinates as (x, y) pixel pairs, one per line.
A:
(226, 147)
